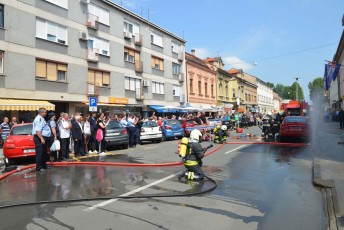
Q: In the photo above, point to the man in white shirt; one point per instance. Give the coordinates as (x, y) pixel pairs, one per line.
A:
(65, 126)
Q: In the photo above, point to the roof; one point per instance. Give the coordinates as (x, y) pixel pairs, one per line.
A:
(212, 59)
(118, 7)
(233, 71)
(196, 60)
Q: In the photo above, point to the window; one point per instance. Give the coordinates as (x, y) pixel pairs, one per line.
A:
(156, 39)
(51, 71)
(157, 87)
(157, 63)
(233, 93)
(62, 3)
(191, 85)
(212, 90)
(227, 93)
(51, 31)
(101, 13)
(100, 44)
(2, 16)
(206, 89)
(245, 96)
(132, 83)
(199, 87)
(176, 48)
(176, 68)
(131, 27)
(220, 89)
(99, 78)
(176, 90)
(131, 55)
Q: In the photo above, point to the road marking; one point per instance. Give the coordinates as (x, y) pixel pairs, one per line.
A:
(131, 192)
(235, 149)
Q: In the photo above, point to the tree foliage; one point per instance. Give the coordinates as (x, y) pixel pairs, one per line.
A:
(316, 89)
(289, 92)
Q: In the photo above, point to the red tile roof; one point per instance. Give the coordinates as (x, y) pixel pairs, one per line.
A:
(233, 71)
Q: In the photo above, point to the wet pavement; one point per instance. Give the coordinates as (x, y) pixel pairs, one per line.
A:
(259, 187)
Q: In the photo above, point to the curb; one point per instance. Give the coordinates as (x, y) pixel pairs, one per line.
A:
(317, 181)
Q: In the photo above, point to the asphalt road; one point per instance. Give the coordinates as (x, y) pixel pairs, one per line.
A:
(259, 187)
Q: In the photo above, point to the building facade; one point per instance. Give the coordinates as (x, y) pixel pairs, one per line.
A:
(265, 97)
(277, 102)
(66, 51)
(201, 82)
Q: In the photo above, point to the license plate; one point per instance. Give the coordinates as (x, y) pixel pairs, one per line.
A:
(296, 129)
(113, 134)
(152, 135)
(29, 150)
(176, 133)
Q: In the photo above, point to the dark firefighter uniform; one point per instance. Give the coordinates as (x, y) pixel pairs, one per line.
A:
(193, 162)
(220, 135)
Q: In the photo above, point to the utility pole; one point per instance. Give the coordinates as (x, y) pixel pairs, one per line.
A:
(297, 88)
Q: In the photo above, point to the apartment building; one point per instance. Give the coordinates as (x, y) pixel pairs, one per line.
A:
(201, 82)
(58, 53)
(265, 97)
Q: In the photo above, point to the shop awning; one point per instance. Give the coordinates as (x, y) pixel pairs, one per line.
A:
(24, 105)
(160, 109)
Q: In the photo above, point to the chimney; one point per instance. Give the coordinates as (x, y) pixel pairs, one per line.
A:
(193, 52)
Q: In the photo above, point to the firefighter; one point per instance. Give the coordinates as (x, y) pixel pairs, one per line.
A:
(220, 134)
(193, 158)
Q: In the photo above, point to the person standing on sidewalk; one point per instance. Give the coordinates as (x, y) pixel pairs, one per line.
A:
(131, 128)
(52, 125)
(102, 123)
(65, 127)
(341, 118)
(94, 128)
(5, 129)
(87, 133)
(42, 133)
(78, 137)
(138, 127)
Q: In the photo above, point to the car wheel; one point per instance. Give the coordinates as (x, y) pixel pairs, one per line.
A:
(159, 140)
(8, 162)
(164, 138)
(124, 146)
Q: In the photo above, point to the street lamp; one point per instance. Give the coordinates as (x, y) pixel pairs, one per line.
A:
(297, 88)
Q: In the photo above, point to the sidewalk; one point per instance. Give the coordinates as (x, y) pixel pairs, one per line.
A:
(328, 170)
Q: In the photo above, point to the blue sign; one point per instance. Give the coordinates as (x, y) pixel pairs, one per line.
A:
(93, 101)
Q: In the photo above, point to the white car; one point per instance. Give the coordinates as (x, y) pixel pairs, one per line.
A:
(151, 131)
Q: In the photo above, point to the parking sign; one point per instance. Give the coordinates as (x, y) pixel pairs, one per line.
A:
(93, 104)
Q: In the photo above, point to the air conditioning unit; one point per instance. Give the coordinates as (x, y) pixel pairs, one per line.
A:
(181, 77)
(128, 35)
(83, 36)
(145, 83)
(85, 1)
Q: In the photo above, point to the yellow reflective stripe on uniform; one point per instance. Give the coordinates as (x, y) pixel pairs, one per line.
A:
(191, 163)
(192, 175)
(189, 175)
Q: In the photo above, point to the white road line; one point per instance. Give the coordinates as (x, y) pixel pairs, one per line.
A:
(130, 193)
(235, 149)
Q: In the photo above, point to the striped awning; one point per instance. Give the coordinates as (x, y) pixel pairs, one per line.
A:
(24, 105)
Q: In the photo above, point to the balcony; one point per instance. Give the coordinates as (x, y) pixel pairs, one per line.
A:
(138, 39)
(92, 89)
(92, 21)
(92, 55)
(181, 77)
(139, 66)
(139, 94)
(181, 56)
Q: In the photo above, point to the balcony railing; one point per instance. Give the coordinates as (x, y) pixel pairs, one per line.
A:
(138, 39)
(139, 94)
(92, 89)
(92, 21)
(139, 66)
(93, 55)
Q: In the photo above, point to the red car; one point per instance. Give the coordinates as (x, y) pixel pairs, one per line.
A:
(19, 143)
(187, 124)
(295, 126)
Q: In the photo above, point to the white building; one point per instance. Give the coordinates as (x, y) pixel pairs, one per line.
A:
(265, 97)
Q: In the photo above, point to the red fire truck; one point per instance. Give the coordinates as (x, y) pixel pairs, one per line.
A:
(294, 108)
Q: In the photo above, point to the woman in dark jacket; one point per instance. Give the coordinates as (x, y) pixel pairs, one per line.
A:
(138, 127)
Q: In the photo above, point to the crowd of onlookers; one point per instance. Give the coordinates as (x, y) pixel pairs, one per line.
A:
(335, 115)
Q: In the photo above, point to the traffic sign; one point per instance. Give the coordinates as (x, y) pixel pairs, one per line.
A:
(93, 102)
(92, 108)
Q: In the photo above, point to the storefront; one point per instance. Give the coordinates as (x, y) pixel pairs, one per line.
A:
(23, 110)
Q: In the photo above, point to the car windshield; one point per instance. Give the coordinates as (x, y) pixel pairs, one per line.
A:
(295, 119)
(172, 122)
(22, 130)
(150, 124)
(113, 125)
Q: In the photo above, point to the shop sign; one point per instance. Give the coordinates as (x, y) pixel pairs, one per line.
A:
(118, 100)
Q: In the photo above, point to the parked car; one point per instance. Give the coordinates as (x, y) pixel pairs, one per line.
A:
(214, 122)
(186, 123)
(172, 129)
(19, 144)
(151, 131)
(294, 126)
(116, 135)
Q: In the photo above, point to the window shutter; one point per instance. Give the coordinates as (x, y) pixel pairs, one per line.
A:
(153, 87)
(161, 88)
(41, 69)
(153, 62)
(162, 65)
(138, 83)
(131, 52)
(62, 33)
(62, 67)
(137, 57)
(99, 78)
(91, 9)
(41, 30)
(105, 46)
(132, 83)
(91, 76)
(126, 83)
(106, 78)
(105, 15)
(52, 29)
(51, 71)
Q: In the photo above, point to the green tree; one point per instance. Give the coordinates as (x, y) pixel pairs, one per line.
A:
(270, 84)
(316, 89)
(300, 91)
(279, 89)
